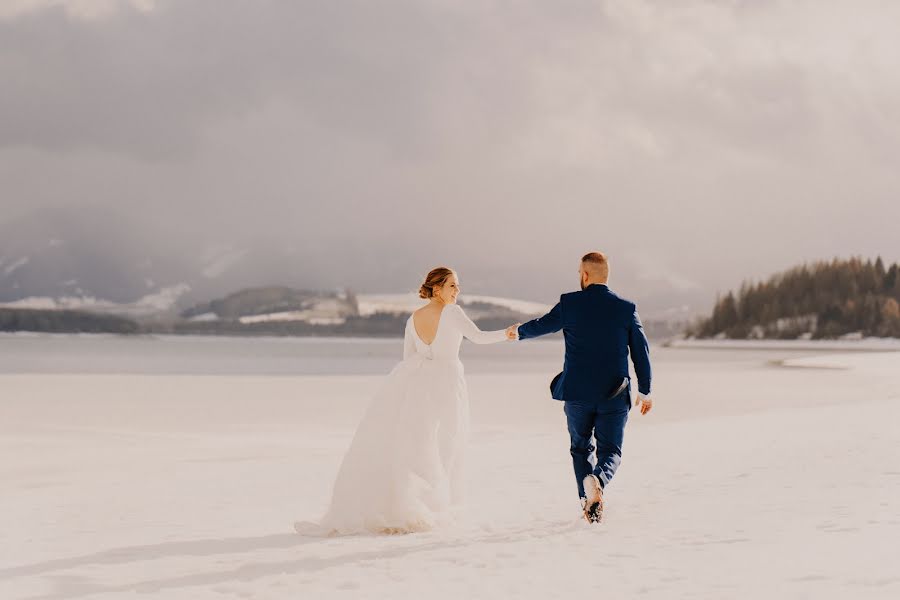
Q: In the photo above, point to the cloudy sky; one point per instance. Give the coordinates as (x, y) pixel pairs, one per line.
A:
(698, 143)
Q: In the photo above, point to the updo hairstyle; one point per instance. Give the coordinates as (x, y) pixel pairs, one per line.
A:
(436, 278)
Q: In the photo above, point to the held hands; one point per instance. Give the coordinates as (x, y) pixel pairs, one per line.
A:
(512, 332)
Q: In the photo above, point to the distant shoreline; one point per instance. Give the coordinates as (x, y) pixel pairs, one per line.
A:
(863, 345)
(213, 336)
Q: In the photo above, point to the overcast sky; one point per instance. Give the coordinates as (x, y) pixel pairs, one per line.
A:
(697, 143)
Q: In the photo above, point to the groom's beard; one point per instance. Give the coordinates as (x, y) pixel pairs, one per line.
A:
(582, 285)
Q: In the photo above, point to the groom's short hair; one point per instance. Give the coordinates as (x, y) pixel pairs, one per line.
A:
(596, 263)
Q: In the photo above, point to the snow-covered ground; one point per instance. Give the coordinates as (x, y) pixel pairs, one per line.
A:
(748, 480)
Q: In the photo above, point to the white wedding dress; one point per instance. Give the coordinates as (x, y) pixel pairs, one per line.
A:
(404, 470)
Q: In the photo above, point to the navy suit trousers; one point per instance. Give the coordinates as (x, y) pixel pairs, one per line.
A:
(596, 430)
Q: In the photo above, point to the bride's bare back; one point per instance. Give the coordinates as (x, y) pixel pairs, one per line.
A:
(426, 321)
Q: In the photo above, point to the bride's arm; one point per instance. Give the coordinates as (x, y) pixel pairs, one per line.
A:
(409, 344)
(470, 329)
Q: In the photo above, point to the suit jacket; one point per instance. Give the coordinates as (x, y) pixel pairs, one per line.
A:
(600, 329)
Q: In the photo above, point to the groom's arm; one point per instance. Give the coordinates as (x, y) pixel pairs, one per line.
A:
(640, 354)
(549, 323)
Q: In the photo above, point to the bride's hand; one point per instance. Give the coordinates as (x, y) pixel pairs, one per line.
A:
(512, 332)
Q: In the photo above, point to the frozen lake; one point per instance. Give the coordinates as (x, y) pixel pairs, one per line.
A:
(176, 467)
(196, 355)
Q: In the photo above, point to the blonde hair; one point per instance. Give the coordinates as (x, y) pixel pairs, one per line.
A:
(436, 277)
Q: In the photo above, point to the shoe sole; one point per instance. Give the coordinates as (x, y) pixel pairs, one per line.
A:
(593, 512)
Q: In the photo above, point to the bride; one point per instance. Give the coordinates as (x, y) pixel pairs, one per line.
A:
(404, 470)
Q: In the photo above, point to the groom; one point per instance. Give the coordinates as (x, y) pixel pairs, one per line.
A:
(600, 329)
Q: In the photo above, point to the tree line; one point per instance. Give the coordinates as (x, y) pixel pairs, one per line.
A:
(818, 300)
(64, 321)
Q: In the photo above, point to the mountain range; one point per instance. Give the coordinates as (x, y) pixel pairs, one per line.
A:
(99, 259)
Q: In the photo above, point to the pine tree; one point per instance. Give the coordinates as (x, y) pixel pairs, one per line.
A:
(729, 313)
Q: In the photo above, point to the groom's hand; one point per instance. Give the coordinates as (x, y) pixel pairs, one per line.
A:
(645, 403)
(512, 332)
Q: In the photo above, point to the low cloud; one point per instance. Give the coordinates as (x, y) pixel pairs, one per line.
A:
(699, 143)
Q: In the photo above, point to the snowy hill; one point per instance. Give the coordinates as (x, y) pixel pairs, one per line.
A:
(64, 258)
(101, 260)
(406, 303)
(156, 303)
(257, 305)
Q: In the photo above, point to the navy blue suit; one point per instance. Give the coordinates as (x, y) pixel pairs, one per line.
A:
(601, 329)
